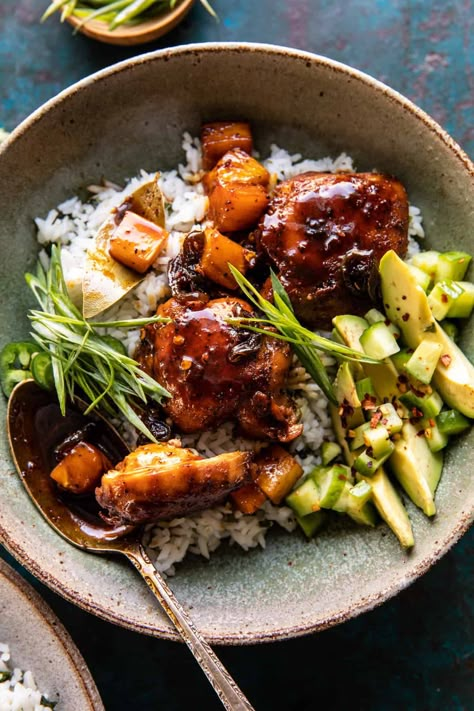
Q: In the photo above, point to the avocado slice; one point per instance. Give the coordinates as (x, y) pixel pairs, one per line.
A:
(390, 506)
(407, 306)
(417, 468)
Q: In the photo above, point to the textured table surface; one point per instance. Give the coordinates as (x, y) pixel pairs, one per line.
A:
(416, 652)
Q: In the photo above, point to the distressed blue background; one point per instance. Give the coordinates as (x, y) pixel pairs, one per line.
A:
(416, 651)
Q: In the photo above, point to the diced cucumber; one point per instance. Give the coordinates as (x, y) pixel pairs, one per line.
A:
(435, 439)
(305, 498)
(367, 465)
(452, 422)
(451, 329)
(329, 451)
(377, 439)
(401, 358)
(312, 523)
(356, 436)
(355, 502)
(365, 389)
(427, 262)
(330, 483)
(375, 316)
(442, 297)
(452, 265)
(378, 341)
(462, 306)
(424, 360)
(422, 278)
(390, 418)
(430, 404)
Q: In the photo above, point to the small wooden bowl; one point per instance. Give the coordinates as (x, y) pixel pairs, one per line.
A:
(134, 34)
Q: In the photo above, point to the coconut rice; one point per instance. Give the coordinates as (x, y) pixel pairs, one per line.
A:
(74, 224)
(18, 690)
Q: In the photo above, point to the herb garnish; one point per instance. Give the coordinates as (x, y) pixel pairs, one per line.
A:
(305, 343)
(84, 363)
(115, 12)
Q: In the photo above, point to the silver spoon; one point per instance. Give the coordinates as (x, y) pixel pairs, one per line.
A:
(35, 427)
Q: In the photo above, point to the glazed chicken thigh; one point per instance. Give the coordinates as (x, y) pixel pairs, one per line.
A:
(325, 234)
(215, 371)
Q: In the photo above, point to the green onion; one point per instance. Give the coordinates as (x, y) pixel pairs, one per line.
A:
(84, 362)
(115, 12)
(306, 344)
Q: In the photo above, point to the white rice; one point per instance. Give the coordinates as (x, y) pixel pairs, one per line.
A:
(19, 691)
(74, 223)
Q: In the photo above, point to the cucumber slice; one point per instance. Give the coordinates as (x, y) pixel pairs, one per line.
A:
(401, 358)
(376, 316)
(424, 360)
(356, 437)
(435, 439)
(427, 262)
(365, 389)
(452, 265)
(312, 523)
(462, 306)
(355, 502)
(442, 297)
(329, 451)
(452, 422)
(330, 483)
(305, 498)
(430, 405)
(422, 278)
(367, 465)
(390, 418)
(377, 439)
(378, 341)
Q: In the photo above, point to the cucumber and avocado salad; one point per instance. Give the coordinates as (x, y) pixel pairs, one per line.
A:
(420, 393)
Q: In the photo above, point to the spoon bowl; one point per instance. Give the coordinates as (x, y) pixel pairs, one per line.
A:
(35, 429)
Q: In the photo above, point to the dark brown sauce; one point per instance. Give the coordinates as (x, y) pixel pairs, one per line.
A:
(37, 432)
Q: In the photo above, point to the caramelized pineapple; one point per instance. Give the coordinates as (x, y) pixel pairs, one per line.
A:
(219, 137)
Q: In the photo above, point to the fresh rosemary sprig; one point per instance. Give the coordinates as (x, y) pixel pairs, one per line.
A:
(115, 12)
(83, 362)
(305, 343)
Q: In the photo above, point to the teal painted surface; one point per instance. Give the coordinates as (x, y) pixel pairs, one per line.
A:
(416, 651)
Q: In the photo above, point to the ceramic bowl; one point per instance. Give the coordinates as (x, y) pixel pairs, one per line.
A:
(132, 115)
(39, 642)
(141, 33)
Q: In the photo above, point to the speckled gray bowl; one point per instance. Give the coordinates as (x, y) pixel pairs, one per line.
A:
(131, 116)
(39, 642)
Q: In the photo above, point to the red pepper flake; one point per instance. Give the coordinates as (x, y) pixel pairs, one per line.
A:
(341, 477)
(403, 387)
(402, 378)
(420, 433)
(416, 412)
(375, 419)
(446, 360)
(351, 434)
(444, 298)
(432, 422)
(369, 402)
(405, 317)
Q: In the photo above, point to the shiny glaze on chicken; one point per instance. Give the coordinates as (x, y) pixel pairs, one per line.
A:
(325, 235)
(217, 372)
(163, 481)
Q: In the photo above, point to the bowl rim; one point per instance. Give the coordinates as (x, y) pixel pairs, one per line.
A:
(372, 600)
(57, 630)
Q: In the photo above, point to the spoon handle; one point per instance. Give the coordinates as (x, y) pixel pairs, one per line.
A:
(223, 684)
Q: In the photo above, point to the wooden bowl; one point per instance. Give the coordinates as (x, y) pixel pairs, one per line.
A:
(134, 34)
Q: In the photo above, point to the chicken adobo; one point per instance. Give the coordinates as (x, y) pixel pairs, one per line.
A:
(216, 371)
(325, 235)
